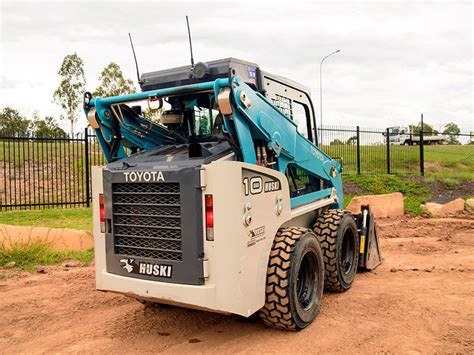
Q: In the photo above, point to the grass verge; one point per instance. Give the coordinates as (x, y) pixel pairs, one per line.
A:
(34, 255)
(74, 218)
(415, 192)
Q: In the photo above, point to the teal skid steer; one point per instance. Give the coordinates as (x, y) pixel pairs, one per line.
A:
(217, 197)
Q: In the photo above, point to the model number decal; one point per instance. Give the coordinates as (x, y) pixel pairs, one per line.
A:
(257, 184)
(253, 185)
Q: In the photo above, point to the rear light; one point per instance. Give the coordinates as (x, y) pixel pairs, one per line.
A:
(209, 217)
(102, 213)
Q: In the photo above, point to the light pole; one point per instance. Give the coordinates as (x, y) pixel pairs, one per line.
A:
(321, 95)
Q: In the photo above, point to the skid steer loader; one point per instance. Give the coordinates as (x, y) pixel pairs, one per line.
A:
(216, 196)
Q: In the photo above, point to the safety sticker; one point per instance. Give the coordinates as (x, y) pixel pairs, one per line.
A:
(256, 235)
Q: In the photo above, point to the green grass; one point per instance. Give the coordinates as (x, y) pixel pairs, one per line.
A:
(32, 256)
(347, 199)
(405, 159)
(450, 153)
(74, 218)
(18, 152)
(453, 164)
(414, 192)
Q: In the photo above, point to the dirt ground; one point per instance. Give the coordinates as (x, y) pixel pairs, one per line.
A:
(421, 300)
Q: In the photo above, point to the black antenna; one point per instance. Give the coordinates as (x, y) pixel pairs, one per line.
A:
(190, 43)
(135, 57)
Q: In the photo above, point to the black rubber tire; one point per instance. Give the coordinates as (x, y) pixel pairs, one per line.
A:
(295, 280)
(339, 239)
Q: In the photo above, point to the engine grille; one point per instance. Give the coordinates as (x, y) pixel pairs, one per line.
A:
(147, 220)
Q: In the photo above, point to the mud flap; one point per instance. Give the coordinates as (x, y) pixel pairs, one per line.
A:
(369, 248)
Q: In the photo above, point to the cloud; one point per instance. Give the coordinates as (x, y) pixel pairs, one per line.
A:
(397, 58)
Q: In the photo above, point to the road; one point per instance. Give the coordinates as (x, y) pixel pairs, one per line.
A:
(419, 301)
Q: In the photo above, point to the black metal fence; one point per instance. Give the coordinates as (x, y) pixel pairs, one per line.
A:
(46, 172)
(56, 172)
(385, 151)
(367, 151)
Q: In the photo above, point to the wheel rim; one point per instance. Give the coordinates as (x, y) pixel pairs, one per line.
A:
(307, 280)
(347, 252)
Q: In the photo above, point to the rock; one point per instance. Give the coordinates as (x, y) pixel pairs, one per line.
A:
(389, 205)
(470, 205)
(71, 263)
(432, 208)
(10, 264)
(450, 208)
(41, 270)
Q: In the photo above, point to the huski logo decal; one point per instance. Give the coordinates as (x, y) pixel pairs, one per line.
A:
(127, 266)
(144, 268)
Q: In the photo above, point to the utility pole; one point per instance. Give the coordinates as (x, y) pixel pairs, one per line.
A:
(321, 95)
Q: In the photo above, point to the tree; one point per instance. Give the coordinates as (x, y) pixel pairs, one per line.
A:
(47, 128)
(112, 82)
(12, 123)
(153, 115)
(427, 129)
(68, 95)
(352, 140)
(204, 127)
(452, 130)
(336, 142)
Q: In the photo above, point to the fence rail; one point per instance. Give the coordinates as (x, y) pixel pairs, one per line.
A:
(47, 172)
(56, 172)
(366, 151)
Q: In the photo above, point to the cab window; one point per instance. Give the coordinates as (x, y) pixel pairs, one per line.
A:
(301, 117)
(301, 182)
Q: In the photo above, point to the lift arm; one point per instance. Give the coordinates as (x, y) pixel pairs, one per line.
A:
(256, 118)
(118, 127)
(247, 116)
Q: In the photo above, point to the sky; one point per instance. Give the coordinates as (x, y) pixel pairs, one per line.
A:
(397, 59)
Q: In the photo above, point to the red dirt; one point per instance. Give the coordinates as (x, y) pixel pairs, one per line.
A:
(419, 301)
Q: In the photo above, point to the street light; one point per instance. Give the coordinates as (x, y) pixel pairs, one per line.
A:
(321, 94)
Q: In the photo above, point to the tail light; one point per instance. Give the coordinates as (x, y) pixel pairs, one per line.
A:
(102, 213)
(209, 217)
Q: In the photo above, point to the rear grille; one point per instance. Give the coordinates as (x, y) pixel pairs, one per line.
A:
(147, 220)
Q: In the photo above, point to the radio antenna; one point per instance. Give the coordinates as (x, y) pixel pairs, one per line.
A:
(134, 57)
(190, 43)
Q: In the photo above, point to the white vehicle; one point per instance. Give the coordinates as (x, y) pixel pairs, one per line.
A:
(402, 135)
(227, 205)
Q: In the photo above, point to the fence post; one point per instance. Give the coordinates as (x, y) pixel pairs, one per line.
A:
(86, 149)
(388, 150)
(358, 150)
(422, 148)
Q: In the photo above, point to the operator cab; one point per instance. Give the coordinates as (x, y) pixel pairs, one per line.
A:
(191, 117)
(291, 98)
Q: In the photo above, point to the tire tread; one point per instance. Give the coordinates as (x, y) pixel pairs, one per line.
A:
(276, 312)
(325, 228)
